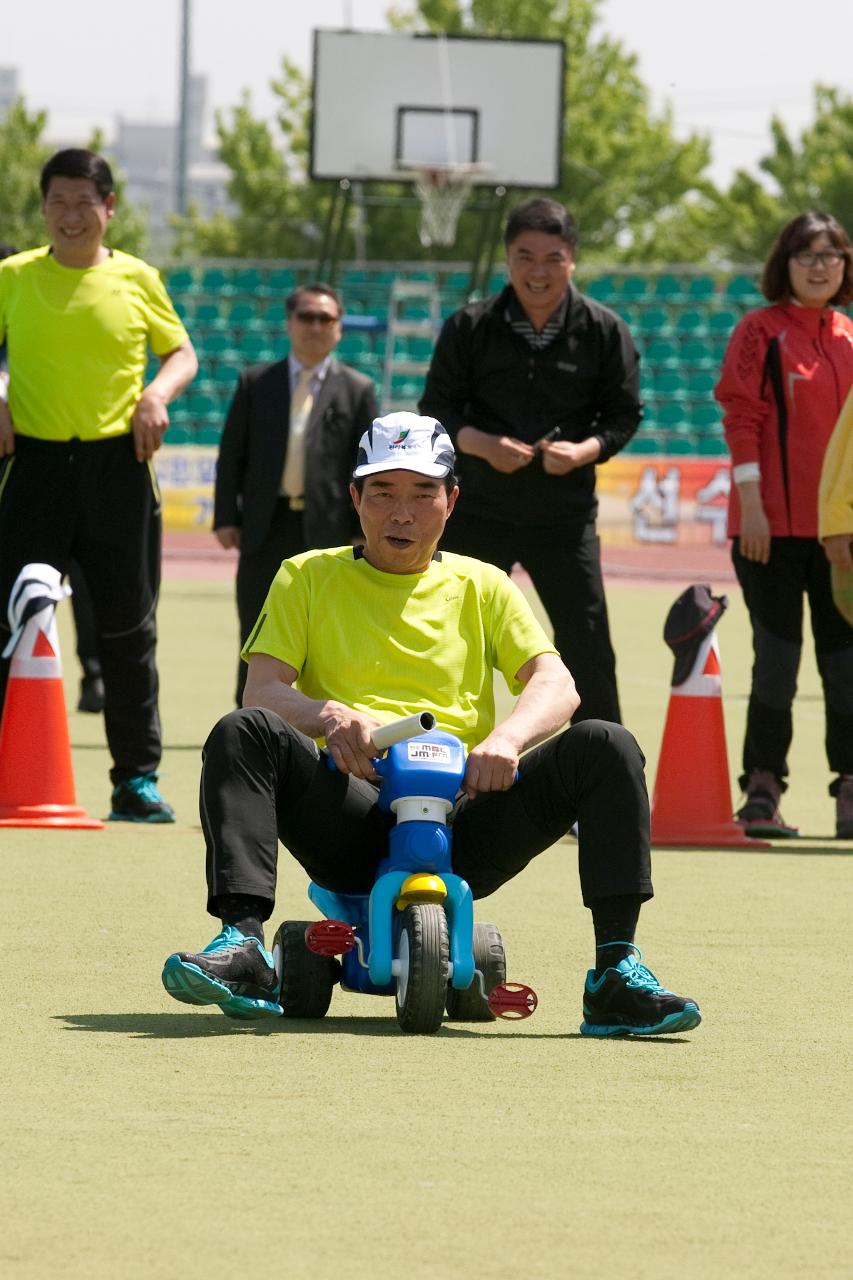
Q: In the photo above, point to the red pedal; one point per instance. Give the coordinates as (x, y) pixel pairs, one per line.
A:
(330, 937)
(513, 1000)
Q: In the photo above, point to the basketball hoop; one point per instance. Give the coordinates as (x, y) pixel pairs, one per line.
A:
(442, 190)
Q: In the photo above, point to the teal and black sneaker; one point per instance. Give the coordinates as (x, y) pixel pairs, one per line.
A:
(138, 800)
(628, 1000)
(233, 971)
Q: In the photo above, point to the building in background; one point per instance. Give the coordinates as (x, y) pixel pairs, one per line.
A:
(146, 152)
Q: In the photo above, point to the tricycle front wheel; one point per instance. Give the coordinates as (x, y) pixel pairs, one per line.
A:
(424, 956)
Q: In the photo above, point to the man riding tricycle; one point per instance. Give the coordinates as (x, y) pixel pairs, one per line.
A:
(426, 630)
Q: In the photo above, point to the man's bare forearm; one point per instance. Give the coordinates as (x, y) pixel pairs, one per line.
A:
(177, 370)
(304, 713)
(544, 706)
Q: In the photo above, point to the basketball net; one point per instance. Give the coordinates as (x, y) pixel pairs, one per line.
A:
(443, 192)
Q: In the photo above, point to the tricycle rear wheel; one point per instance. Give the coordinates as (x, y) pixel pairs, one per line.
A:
(424, 955)
(307, 980)
(490, 959)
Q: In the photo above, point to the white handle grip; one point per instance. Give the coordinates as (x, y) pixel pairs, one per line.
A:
(400, 730)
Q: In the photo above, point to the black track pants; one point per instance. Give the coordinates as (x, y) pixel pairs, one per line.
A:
(262, 781)
(93, 502)
(774, 594)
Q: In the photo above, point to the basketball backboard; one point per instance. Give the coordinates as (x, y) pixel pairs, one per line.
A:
(387, 103)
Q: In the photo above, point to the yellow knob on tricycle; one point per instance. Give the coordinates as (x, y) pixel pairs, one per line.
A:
(421, 888)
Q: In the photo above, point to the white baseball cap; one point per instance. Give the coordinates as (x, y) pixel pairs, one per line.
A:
(405, 442)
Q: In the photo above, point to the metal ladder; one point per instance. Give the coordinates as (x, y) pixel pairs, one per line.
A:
(402, 292)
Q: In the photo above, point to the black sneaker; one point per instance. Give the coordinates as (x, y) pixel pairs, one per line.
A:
(91, 695)
(760, 814)
(628, 1000)
(843, 790)
(138, 800)
(233, 971)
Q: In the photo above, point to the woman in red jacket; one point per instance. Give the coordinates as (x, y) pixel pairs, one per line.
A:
(787, 371)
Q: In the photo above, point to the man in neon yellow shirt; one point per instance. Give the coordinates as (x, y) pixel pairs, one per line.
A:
(351, 638)
(76, 442)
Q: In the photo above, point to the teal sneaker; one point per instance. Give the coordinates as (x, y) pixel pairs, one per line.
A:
(233, 971)
(138, 800)
(628, 1000)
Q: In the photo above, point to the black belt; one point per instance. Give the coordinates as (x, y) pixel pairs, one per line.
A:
(293, 504)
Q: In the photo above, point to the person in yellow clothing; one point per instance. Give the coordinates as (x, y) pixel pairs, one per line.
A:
(835, 529)
(351, 638)
(77, 437)
(835, 496)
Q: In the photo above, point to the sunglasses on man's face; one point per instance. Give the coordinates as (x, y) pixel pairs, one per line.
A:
(316, 317)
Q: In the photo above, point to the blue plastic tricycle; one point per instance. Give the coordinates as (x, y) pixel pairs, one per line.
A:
(413, 936)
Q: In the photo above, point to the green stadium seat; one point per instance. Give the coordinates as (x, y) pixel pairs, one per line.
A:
(208, 433)
(456, 282)
(633, 288)
(718, 343)
(249, 280)
(225, 374)
(706, 417)
(682, 446)
(631, 315)
(353, 346)
(216, 281)
(662, 353)
(653, 322)
(275, 315)
(217, 344)
(698, 354)
(602, 289)
(280, 281)
(691, 322)
(355, 279)
(712, 446)
(180, 280)
(670, 385)
(701, 382)
(670, 415)
(744, 290)
(700, 288)
(178, 432)
(209, 315)
(244, 315)
(723, 321)
(668, 289)
(645, 441)
(201, 405)
(255, 346)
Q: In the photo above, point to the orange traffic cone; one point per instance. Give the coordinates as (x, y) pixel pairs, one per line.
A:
(692, 803)
(36, 778)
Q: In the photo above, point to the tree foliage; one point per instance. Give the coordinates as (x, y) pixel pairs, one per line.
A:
(812, 172)
(23, 152)
(278, 210)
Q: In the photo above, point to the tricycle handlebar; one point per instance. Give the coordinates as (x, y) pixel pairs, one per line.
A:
(400, 730)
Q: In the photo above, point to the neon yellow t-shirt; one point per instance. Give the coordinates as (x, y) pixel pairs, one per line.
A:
(393, 644)
(78, 341)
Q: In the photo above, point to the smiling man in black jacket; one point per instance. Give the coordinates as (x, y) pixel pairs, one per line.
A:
(536, 386)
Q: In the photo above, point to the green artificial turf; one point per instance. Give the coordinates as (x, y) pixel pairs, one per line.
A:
(143, 1138)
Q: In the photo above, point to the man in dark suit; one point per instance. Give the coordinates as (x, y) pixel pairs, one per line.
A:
(287, 453)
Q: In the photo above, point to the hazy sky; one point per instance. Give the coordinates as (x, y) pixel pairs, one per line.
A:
(725, 65)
